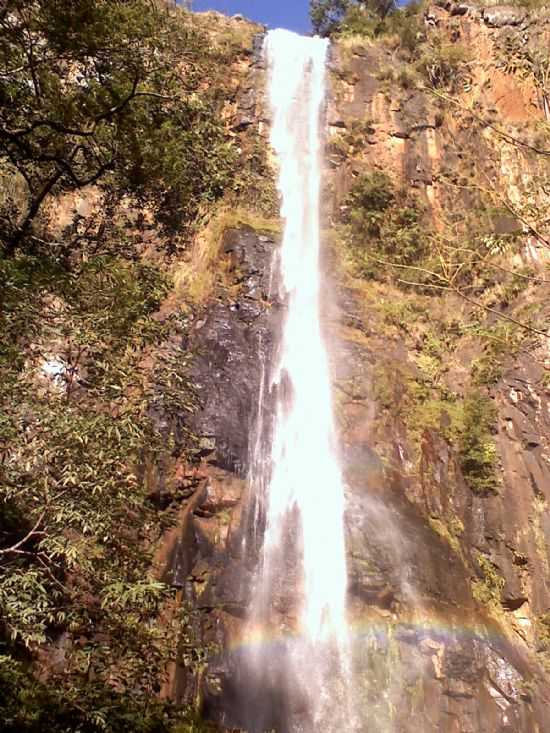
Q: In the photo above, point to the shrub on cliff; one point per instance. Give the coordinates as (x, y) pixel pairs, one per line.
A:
(443, 64)
(77, 523)
(383, 224)
(477, 448)
(368, 19)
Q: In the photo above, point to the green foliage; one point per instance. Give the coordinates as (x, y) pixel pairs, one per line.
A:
(369, 19)
(543, 630)
(254, 186)
(126, 96)
(443, 64)
(476, 445)
(326, 15)
(419, 396)
(501, 342)
(399, 312)
(487, 590)
(110, 93)
(405, 23)
(30, 706)
(449, 529)
(383, 224)
(76, 525)
(359, 21)
(390, 238)
(352, 139)
(348, 16)
(28, 604)
(526, 57)
(371, 195)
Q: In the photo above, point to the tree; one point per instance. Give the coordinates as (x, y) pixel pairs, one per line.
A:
(327, 16)
(124, 96)
(91, 88)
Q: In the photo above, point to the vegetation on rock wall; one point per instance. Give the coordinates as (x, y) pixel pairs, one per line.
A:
(361, 17)
(117, 146)
(441, 220)
(477, 449)
(384, 225)
(370, 18)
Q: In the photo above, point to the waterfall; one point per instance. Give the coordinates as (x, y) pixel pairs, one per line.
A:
(305, 476)
(296, 473)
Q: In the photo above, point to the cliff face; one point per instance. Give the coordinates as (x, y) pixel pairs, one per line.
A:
(471, 556)
(440, 369)
(436, 210)
(469, 147)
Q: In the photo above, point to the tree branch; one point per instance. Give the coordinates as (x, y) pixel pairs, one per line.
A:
(57, 126)
(120, 106)
(505, 135)
(34, 208)
(525, 326)
(449, 286)
(31, 533)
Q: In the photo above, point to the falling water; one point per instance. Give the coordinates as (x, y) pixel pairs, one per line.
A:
(306, 474)
(303, 494)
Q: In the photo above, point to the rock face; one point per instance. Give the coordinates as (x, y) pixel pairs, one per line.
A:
(457, 580)
(449, 586)
(444, 661)
(231, 340)
(204, 557)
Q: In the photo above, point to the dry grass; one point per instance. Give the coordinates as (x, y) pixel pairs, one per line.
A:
(228, 35)
(197, 277)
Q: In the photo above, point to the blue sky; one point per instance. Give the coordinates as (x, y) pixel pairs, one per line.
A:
(293, 14)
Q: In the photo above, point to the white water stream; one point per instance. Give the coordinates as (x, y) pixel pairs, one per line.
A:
(305, 472)
(299, 471)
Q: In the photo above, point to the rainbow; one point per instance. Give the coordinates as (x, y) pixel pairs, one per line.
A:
(374, 628)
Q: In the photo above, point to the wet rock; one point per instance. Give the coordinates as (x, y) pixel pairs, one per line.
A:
(258, 45)
(243, 123)
(234, 340)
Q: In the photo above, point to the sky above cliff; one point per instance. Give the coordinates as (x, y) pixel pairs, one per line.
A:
(293, 14)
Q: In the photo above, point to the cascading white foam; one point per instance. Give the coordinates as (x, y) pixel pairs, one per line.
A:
(305, 473)
(300, 591)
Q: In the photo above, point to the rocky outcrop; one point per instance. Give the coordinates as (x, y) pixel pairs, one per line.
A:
(203, 555)
(231, 341)
(425, 615)
(503, 15)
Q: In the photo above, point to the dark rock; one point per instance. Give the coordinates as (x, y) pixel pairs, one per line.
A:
(247, 101)
(231, 345)
(460, 9)
(513, 603)
(243, 124)
(258, 44)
